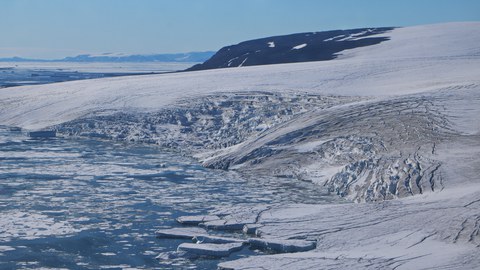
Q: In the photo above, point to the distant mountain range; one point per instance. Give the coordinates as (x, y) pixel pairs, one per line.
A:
(110, 57)
(303, 47)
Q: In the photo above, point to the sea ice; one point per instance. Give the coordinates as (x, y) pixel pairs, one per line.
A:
(281, 246)
(180, 233)
(251, 228)
(210, 250)
(195, 220)
(223, 225)
(200, 239)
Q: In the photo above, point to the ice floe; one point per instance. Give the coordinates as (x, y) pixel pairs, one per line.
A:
(281, 246)
(195, 220)
(180, 233)
(209, 250)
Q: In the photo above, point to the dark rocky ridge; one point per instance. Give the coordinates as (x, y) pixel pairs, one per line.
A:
(312, 46)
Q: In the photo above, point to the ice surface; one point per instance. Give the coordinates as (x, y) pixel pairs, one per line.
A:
(384, 234)
(281, 246)
(195, 220)
(425, 67)
(6, 248)
(251, 229)
(30, 225)
(200, 239)
(210, 250)
(224, 225)
(180, 233)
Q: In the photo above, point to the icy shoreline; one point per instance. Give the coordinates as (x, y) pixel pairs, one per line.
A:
(394, 125)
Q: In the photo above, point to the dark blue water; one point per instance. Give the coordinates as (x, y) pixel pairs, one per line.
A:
(12, 76)
(86, 204)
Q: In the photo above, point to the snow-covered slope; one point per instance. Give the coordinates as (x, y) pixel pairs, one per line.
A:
(396, 72)
(383, 122)
(425, 41)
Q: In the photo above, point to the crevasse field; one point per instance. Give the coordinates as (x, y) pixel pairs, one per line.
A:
(390, 131)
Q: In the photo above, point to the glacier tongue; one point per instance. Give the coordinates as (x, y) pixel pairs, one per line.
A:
(362, 148)
(359, 148)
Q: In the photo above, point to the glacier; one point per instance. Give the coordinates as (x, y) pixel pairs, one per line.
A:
(392, 128)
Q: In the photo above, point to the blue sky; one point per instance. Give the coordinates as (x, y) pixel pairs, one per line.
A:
(58, 28)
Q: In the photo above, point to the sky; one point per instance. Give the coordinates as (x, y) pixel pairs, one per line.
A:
(52, 29)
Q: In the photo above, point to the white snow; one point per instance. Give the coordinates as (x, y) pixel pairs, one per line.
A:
(382, 234)
(300, 46)
(309, 146)
(445, 41)
(356, 36)
(333, 38)
(243, 62)
(378, 70)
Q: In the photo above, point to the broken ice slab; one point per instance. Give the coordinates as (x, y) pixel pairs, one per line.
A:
(170, 255)
(180, 233)
(223, 225)
(195, 220)
(282, 246)
(175, 255)
(42, 134)
(251, 229)
(216, 239)
(209, 250)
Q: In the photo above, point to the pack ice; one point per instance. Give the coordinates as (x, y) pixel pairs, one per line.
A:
(393, 127)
